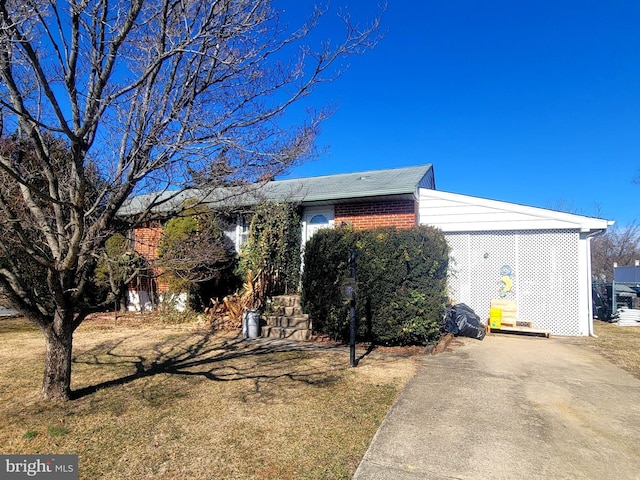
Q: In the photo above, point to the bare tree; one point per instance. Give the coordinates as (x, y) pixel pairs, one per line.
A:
(161, 96)
(620, 245)
(118, 265)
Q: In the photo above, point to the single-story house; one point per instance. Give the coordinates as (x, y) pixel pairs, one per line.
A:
(540, 258)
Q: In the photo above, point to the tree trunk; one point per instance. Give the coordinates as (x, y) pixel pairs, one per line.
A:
(57, 365)
(123, 304)
(122, 298)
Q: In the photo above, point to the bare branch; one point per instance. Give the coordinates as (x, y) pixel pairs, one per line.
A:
(620, 245)
(103, 100)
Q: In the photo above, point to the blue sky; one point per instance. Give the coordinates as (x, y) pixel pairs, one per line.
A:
(530, 102)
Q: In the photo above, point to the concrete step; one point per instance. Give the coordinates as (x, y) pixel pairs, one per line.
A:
(289, 333)
(286, 300)
(287, 321)
(288, 311)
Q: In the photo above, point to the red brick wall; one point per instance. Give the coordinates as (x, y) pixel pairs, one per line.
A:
(396, 213)
(146, 241)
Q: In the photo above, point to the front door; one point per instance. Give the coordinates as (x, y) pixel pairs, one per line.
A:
(315, 219)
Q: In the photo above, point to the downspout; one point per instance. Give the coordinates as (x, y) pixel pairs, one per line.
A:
(590, 292)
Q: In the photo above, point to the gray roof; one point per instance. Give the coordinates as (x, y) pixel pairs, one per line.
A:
(343, 187)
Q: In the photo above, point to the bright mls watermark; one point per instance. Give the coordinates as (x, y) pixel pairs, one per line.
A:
(50, 467)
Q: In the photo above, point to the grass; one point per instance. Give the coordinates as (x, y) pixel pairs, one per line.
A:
(57, 431)
(30, 434)
(621, 345)
(161, 401)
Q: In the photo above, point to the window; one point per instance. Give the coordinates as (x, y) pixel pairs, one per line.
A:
(243, 229)
(318, 219)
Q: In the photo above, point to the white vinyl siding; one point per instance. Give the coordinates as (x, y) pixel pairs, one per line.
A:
(453, 212)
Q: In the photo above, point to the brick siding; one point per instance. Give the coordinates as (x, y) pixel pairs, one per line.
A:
(146, 241)
(396, 213)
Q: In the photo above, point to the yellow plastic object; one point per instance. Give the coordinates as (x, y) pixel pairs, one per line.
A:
(495, 317)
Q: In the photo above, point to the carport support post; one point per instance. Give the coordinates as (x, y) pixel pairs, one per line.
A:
(352, 316)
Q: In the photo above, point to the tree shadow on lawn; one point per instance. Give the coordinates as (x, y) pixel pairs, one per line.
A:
(216, 359)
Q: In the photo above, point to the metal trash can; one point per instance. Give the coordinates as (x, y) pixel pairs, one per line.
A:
(251, 324)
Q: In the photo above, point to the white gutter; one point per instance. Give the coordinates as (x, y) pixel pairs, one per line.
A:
(590, 289)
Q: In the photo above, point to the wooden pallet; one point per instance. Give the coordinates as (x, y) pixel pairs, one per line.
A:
(508, 308)
(537, 332)
(510, 323)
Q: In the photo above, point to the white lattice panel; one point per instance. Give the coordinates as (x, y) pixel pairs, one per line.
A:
(458, 276)
(538, 269)
(549, 294)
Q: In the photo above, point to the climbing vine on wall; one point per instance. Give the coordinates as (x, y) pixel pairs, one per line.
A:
(273, 247)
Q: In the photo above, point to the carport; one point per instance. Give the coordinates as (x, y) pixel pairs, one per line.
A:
(539, 258)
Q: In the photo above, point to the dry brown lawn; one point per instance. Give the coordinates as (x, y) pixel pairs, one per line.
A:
(621, 345)
(174, 402)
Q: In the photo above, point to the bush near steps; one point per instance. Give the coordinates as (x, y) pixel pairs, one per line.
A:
(401, 283)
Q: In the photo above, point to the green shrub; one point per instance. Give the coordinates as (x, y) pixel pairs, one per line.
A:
(194, 250)
(326, 265)
(401, 283)
(196, 257)
(118, 265)
(273, 247)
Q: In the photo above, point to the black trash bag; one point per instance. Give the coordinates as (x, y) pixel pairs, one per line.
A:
(460, 320)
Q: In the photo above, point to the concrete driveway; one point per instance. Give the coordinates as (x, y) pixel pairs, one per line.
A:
(511, 407)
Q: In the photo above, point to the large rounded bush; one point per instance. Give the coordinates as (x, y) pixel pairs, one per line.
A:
(401, 283)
